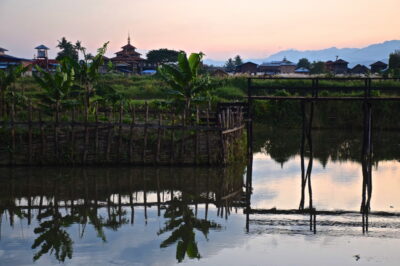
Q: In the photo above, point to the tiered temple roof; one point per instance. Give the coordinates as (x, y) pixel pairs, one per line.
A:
(128, 54)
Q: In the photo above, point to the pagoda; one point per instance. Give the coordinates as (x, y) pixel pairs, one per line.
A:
(128, 60)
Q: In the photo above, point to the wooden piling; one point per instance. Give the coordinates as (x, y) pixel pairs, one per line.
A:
(158, 148)
(146, 119)
(30, 148)
(131, 136)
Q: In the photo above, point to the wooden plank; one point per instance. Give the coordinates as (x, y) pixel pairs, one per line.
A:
(302, 98)
(232, 130)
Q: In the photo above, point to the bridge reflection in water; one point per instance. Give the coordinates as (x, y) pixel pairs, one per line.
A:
(365, 157)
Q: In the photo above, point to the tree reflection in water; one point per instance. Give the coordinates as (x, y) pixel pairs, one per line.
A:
(53, 236)
(60, 199)
(183, 223)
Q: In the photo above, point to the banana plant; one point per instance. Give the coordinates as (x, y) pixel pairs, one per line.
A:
(184, 78)
(7, 78)
(183, 224)
(57, 86)
(87, 73)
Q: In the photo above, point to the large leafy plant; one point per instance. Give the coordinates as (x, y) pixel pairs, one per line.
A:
(182, 222)
(184, 80)
(57, 86)
(7, 78)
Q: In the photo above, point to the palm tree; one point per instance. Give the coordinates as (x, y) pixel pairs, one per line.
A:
(184, 78)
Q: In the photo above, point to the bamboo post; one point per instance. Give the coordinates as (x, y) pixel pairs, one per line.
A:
(131, 157)
(30, 149)
(183, 137)
(109, 136)
(146, 118)
(56, 144)
(222, 141)
(196, 154)
(145, 195)
(172, 139)
(96, 141)
(121, 110)
(86, 143)
(157, 157)
(42, 138)
(131, 198)
(158, 192)
(13, 144)
(208, 138)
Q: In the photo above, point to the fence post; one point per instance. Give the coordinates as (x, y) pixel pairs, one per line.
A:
(30, 151)
(145, 132)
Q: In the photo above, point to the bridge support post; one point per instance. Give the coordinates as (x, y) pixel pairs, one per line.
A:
(366, 161)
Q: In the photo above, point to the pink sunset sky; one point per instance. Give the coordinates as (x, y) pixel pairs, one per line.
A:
(219, 28)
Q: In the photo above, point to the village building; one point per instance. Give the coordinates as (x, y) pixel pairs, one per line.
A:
(248, 67)
(219, 73)
(277, 67)
(339, 66)
(129, 61)
(359, 70)
(302, 70)
(42, 60)
(7, 61)
(378, 67)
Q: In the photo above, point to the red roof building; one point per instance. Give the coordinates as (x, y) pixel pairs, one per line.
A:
(128, 60)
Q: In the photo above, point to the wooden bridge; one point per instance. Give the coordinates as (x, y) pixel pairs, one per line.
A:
(308, 91)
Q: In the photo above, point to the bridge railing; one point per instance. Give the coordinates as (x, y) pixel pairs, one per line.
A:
(259, 87)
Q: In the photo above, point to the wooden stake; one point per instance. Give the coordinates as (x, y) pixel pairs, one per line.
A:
(131, 139)
(145, 133)
(157, 157)
(30, 151)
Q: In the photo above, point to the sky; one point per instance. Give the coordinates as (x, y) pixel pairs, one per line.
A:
(219, 28)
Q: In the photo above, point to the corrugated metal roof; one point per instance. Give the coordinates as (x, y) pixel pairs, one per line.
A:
(42, 47)
(278, 63)
(302, 70)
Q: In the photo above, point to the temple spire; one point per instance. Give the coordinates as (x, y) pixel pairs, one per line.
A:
(129, 38)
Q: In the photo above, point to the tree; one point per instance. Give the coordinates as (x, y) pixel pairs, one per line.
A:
(68, 49)
(394, 60)
(304, 63)
(184, 78)
(162, 56)
(238, 60)
(317, 67)
(230, 65)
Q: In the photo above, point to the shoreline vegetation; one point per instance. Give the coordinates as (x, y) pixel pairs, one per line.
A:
(139, 90)
(73, 117)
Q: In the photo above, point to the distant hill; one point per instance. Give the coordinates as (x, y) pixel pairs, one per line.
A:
(364, 56)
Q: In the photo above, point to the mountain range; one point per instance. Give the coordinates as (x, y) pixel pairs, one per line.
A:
(365, 56)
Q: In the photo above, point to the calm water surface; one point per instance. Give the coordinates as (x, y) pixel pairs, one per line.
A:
(167, 216)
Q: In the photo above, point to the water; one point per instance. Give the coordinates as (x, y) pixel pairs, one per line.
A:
(166, 216)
